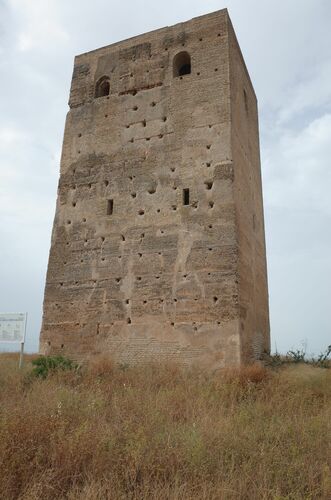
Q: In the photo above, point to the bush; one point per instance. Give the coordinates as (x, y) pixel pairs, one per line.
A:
(323, 359)
(50, 364)
(297, 356)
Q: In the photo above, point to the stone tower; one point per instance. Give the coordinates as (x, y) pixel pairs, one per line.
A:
(158, 247)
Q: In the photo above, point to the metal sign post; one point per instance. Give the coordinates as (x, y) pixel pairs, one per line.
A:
(20, 364)
(13, 330)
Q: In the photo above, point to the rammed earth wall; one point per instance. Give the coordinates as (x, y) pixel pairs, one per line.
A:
(158, 248)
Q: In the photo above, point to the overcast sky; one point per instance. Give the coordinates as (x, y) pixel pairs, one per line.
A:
(286, 46)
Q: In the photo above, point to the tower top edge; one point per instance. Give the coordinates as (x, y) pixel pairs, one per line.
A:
(204, 17)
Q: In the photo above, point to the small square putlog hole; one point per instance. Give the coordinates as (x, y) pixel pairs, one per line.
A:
(186, 196)
(110, 207)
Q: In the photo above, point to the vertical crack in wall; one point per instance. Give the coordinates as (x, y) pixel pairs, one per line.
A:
(127, 285)
(184, 246)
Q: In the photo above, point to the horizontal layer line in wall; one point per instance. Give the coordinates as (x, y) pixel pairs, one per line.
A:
(139, 89)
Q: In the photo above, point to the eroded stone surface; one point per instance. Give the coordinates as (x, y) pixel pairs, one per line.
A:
(133, 270)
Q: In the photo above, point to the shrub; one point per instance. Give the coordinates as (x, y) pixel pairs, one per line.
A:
(323, 359)
(100, 366)
(50, 364)
(297, 356)
(247, 374)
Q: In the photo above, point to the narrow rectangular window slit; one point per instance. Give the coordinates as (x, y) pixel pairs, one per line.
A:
(110, 207)
(186, 196)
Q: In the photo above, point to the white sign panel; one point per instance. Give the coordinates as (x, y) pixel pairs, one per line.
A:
(12, 327)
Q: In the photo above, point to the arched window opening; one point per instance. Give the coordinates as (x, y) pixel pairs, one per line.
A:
(102, 87)
(182, 64)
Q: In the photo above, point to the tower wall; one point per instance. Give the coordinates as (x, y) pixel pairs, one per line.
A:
(134, 270)
(252, 269)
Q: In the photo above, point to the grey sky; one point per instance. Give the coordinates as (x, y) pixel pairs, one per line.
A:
(286, 46)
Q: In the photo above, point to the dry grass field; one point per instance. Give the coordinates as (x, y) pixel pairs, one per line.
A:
(161, 432)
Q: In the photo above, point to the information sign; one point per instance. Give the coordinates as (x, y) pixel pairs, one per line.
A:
(12, 327)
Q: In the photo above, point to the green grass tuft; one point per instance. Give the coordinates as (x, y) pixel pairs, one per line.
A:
(44, 365)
